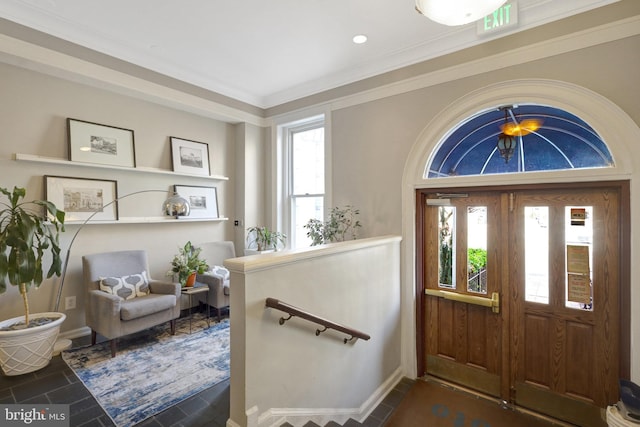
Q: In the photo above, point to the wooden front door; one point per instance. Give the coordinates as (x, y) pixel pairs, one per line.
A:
(521, 296)
(565, 278)
(464, 334)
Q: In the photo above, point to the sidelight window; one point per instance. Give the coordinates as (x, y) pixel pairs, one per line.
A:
(536, 253)
(477, 249)
(446, 247)
(579, 257)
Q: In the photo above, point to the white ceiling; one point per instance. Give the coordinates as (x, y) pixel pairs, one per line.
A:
(262, 52)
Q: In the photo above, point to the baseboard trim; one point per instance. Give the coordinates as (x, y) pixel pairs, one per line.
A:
(275, 417)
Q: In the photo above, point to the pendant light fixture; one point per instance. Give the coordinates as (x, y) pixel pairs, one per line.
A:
(457, 12)
(506, 141)
(513, 131)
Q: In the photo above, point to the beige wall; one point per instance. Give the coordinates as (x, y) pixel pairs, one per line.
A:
(33, 112)
(371, 141)
(250, 188)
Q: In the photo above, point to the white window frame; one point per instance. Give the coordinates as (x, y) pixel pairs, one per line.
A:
(282, 158)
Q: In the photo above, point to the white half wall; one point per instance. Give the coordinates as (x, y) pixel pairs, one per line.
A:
(285, 373)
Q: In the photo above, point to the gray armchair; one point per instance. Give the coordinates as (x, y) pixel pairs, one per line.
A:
(120, 299)
(214, 253)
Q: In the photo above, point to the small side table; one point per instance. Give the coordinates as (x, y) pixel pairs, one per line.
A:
(191, 291)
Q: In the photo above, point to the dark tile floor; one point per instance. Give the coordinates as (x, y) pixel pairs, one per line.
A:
(57, 384)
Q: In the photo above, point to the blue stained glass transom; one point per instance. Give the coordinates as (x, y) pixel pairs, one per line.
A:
(563, 141)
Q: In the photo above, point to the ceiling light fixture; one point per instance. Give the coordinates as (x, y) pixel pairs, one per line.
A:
(359, 39)
(457, 12)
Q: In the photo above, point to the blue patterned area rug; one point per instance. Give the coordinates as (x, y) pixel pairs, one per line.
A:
(153, 370)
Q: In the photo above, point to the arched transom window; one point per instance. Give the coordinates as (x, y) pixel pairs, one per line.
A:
(519, 138)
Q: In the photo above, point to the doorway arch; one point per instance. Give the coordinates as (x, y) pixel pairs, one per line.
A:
(616, 128)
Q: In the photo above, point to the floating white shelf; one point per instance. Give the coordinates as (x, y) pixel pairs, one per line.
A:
(148, 220)
(51, 160)
(127, 220)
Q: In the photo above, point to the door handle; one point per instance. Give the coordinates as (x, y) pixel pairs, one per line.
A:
(493, 302)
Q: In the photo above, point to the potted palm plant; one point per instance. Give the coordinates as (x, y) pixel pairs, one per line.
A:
(27, 241)
(186, 264)
(261, 240)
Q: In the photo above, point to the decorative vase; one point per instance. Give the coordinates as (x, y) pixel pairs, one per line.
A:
(27, 350)
(190, 280)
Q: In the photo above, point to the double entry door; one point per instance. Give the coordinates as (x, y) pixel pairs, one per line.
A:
(520, 296)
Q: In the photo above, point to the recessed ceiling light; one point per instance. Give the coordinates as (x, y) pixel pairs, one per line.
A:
(359, 39)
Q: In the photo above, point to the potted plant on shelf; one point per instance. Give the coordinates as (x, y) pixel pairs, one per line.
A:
(342, 224)
(26, 242)
(262, 240)
(186, 264)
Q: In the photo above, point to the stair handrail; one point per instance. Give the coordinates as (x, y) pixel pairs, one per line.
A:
(327, 324)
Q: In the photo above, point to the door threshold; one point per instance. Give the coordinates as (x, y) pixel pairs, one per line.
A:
(502, 403)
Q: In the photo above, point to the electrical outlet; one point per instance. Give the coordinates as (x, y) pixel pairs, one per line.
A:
(70, 303)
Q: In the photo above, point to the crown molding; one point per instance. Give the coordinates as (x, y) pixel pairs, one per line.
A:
(556, 46)
(37, 58)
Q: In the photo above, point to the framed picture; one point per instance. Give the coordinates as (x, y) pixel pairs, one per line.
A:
(190, 157)
(203, 200)
(83, 198)
(101, 144)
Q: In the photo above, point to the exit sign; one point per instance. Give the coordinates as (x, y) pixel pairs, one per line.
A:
(505, 17)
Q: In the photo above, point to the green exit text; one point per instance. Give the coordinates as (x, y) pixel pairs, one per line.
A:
(504, 17)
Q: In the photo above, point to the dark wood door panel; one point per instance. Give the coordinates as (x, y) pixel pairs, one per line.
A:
(579, 360)
(464, 333)
(536, 358)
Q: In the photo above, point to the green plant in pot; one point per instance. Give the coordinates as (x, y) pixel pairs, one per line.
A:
(341, 225)
(262, 239)
(27, 242)
(187, 263)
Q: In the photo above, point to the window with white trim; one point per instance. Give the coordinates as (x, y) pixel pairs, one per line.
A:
(305, 174)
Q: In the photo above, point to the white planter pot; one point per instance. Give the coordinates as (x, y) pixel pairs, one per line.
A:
(30, 349)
